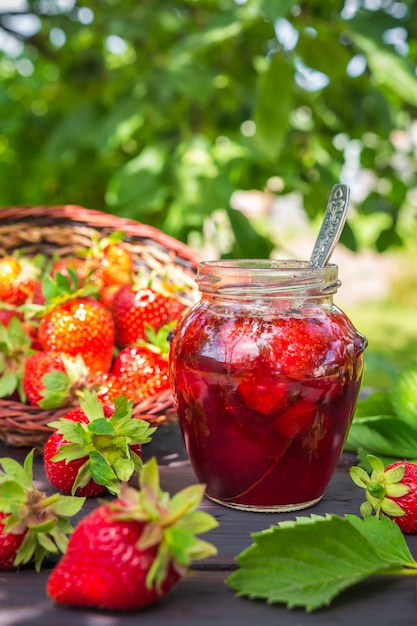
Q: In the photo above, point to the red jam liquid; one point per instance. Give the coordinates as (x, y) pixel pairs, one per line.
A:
(265, 403)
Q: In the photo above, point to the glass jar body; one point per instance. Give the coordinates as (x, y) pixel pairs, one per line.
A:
(265, 376)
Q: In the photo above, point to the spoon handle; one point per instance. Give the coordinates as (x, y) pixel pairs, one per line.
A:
(332, 226)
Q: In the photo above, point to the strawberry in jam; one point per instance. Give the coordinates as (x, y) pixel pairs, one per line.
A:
(265, 390)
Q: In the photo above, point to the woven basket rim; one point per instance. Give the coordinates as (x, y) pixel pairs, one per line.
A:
(25, 425)
(98, 219)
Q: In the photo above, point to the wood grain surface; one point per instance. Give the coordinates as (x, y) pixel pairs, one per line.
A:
(203, 598)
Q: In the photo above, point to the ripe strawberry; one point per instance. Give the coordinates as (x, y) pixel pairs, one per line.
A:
(108, 264)
(114, 260)
(80, 326)
(390, 491)
(52, 379)
(143, 368)
(9, 544)
(7, 312)
(32, 524)
(18, 277)
(127, 554)
(73, 322)
(134, 308)
(108, 387)
(95, 447)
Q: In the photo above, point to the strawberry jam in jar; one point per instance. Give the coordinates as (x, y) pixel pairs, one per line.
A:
(265, 373)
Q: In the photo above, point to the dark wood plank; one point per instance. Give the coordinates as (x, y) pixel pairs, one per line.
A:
(203, 598)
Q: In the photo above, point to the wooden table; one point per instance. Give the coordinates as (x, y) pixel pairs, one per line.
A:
(203, 598)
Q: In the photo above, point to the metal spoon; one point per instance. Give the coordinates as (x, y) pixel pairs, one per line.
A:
(332, 226)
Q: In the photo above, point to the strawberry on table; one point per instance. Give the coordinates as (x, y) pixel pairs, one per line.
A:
(33, 525)
(390, 491)
(127, 554)
(95, 447)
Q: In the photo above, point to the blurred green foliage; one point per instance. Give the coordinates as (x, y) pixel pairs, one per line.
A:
(160, 110)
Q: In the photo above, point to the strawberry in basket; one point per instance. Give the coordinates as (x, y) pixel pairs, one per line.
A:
(74, 322)
(140, 305)
(18, 278)
(15, 347)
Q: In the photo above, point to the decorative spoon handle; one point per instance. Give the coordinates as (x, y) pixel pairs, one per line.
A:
(332, 226)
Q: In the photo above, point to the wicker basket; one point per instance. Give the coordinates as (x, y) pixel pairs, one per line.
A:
(62, 230)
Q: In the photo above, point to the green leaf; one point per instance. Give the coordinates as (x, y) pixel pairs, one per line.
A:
(8, 384)
(101, 472)
(56, 381)
(273, 109)
(91, 405)
(52, 399)
(73, 432)
(16, 471)
(10, 491)
(383, 435)
(69, 452)
(101, 426)
(124, 469)
(248, 243)
(198, 522)
(377, 403)
(274, 9)
(404, 393)
(307, 564)
(386, 538)
(389, 69)
(138, 180)
(67, 506)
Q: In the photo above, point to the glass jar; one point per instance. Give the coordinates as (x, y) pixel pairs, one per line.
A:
(265, 373)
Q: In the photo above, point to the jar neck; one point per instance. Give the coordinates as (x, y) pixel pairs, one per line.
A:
(267, 279)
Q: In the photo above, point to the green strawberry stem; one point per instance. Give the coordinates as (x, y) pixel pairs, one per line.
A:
(380, 487)
(42, 520)
(170, 523)
(105, 442)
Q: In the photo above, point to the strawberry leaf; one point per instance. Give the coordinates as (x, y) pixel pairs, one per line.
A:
(10, 491)
(52, 400)
(384, 435)
(124, 469)
(91, 405)
(67, 506)
(13, 470)
(102, 473)
(56, 381)
(8, 384)
(386, 538)
(308, 562)
(404, 394)
(377, 403)
(101, 426)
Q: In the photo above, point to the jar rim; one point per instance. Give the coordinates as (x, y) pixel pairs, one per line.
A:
(259, 266)
(266, 276)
